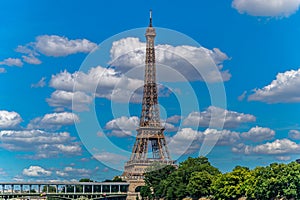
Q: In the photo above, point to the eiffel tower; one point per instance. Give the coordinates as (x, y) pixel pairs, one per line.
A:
(150, 145)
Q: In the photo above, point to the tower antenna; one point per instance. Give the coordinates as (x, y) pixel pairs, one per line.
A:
(150, 24)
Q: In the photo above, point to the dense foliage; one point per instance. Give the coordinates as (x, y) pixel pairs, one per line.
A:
(197, 178)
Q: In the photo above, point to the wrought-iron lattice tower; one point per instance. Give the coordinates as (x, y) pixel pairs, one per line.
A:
(150, 133)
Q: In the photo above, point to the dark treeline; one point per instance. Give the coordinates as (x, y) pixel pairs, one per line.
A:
(196, 178)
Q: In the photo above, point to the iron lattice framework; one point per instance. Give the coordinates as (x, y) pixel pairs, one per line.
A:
(150, 133)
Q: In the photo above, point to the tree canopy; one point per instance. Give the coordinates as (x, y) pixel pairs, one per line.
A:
(196, 178)
(171, 183)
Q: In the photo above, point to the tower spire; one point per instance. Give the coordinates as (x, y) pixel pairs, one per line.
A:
(150, 24)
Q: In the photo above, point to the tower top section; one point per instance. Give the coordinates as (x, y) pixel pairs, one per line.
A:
(150, 32)
(150, 108)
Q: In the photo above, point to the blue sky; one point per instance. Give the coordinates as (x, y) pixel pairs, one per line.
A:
(228, 72)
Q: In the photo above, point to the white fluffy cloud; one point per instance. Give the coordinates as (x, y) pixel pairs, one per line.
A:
(123, 126)
(61, 173)
(71, 171)
(31, 59)
(53, 121)
(284, 89)
(54, 45)
(49, 45)
(98, 81)
(277, 147)
(242, 96)
(186, 61)
(174, 119)
(126, 126)
(258, 134)
(168, 126)
(9, 119)
(271, 8)
(78, 101)
(30, 53)
(41, 83)
(68, 173)
(39, 144)
(111, 158)
(225, 137)
(185, 141)
(36, 171)
(214, 116)
(12, 62)
(294, 134)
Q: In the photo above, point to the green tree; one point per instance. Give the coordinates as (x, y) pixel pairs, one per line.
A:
(155, 175)
(175, 184)
(276, 181)
(173, 187)
(146, 192)
(185, 173)
(85, 180)
(292, 175)
(231, 185)
(195, 177)
(117, 179)
(199, 184)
